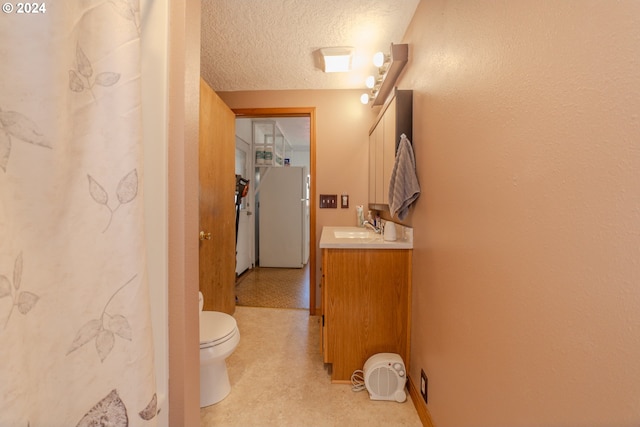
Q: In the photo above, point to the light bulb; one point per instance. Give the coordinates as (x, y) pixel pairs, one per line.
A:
(378, 59)
(370, 82)
(364, 98)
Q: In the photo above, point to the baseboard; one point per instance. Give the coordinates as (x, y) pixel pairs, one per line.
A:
(421, 407)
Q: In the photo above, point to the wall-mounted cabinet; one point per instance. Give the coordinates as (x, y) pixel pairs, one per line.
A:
(395, 118)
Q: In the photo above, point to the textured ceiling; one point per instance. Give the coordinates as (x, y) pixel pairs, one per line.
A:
(272, 44)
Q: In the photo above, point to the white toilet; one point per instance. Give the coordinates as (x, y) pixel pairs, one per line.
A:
(219, 337)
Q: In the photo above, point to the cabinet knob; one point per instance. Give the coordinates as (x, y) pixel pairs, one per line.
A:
(205, 236)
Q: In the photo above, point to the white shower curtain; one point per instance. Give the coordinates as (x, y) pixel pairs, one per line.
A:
(75, 333)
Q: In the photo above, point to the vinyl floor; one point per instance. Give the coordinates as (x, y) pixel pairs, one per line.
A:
(278, 379)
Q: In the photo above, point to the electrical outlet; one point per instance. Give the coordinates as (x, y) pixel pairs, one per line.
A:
(424, 383)
(344, 201)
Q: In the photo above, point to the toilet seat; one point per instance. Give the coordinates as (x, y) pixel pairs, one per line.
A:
(216, 328)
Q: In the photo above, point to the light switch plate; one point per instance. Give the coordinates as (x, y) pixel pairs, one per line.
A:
(328, 201)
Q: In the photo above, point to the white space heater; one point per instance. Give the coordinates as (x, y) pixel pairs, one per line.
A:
(385, 377)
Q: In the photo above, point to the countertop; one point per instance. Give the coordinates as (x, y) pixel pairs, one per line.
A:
(361, 238)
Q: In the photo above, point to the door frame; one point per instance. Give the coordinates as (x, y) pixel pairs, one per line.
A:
(298, 112)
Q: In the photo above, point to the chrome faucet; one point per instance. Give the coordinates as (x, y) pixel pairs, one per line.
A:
(371, 226)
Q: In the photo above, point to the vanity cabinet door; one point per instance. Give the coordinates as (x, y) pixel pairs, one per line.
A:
(324, 299)
(366, 306)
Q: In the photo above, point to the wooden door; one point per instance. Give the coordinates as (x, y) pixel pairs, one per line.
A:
(217, 202)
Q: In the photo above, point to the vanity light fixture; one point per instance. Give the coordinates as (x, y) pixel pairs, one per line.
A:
(379, 59)
(389, 69)
(370, 82)
(365, 98)
(337, 59)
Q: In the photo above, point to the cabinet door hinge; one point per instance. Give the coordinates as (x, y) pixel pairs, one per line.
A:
(323, 320)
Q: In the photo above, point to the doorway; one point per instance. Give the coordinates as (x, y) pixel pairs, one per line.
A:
(301, 155)
(244, 205)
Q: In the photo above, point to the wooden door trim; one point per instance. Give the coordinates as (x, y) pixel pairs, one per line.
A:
(299, 112)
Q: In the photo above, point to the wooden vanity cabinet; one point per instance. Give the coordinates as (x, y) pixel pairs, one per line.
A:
(366, 297)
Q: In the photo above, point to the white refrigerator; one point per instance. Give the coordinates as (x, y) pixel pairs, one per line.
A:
(284, 217)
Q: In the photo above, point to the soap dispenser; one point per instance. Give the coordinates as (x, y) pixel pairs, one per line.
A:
(360, 215)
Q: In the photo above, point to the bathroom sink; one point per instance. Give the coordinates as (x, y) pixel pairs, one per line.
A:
(358, 238)
(349, 234)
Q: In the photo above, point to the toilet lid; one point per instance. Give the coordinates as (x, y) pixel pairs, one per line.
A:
(215, 327)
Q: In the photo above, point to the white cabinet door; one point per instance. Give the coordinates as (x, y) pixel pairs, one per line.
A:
(379, 131)
(388, 149)
(372, 167)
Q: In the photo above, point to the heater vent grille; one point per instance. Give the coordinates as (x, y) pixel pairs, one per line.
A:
(385, 377)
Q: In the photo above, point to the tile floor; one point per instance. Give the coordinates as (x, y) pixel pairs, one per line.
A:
(278, 379)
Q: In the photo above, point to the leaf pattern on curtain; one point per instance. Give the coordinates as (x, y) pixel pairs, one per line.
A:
(25, 301)
(110, 411)
(104, 329)
(126, 192)
(151, 410)
(128, 9)
(17, 125)
(80, 78)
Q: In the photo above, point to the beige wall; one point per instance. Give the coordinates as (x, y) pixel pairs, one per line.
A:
(182, 168)
(154, 105)
(342, 130)
(527, 255)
